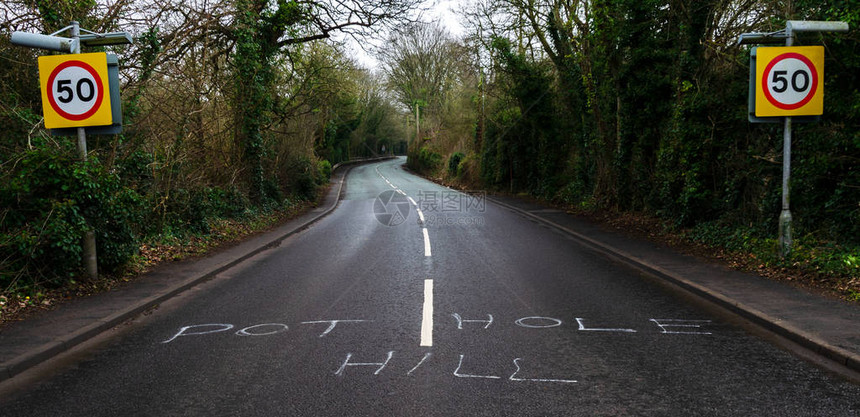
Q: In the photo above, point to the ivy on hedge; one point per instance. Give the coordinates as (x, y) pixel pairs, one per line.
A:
(49, 201)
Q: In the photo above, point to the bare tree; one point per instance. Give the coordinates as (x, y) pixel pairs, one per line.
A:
(421, 65)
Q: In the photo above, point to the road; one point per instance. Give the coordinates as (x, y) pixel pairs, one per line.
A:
(411, 299)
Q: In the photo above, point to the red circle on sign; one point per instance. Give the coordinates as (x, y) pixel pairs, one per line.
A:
(812, 89)
(99, 88)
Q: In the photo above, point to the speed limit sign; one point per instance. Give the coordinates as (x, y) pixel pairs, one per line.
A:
(789, 81)
(75, 90)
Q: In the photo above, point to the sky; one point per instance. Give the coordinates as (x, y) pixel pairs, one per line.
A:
(442, 10)
(446, 11)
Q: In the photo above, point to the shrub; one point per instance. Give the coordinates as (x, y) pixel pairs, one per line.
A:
(324, 167)
(49, 200)
(302, 178)
(425, 160)
(454, 163)
(273, 196)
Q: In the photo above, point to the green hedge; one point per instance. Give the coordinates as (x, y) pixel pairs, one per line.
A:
(49, 201)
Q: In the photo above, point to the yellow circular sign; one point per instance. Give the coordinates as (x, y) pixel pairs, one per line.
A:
(789, 81)
(75, 90)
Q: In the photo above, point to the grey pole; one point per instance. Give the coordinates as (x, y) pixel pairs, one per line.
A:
(785, 215)
(90, 258)
(791, 27)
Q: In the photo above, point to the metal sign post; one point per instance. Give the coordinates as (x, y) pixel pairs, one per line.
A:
(791, 27)
(785, 215)
(73, 46)
(90, 257)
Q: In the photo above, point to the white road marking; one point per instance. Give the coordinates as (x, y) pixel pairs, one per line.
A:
(331, 324)
(414, 203)
(417, 209)
(426, 240)
(460, 321)
(695, 324)
(427, 315)
(381, 365)
(459, 375)
(426, 356)
(583, 328)
(517, 364)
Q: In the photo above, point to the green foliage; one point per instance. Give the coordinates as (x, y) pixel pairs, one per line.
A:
(235, 119)
(56, 14)
(324, 168)
(228, 203)
(253, 78)
(454, 163)
(20, 99)
(305, 179)
(429, 159)
(468, 171)
(136, 171)
(425, 160)
(644, 109)
(191, 211)
(150, 45)
(813, 254)
(523, 145)
(49, 200)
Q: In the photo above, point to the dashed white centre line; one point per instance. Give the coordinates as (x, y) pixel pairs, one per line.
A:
(427, 314)
(426, 242)
(417, 209)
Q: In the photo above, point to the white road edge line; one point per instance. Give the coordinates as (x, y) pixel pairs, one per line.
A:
(426, 242)
(427, 315)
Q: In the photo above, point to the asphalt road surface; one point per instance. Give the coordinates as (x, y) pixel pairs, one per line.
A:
(414, 300)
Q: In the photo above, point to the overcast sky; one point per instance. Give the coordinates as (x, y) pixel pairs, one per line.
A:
(442, 10)
(445, 10)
